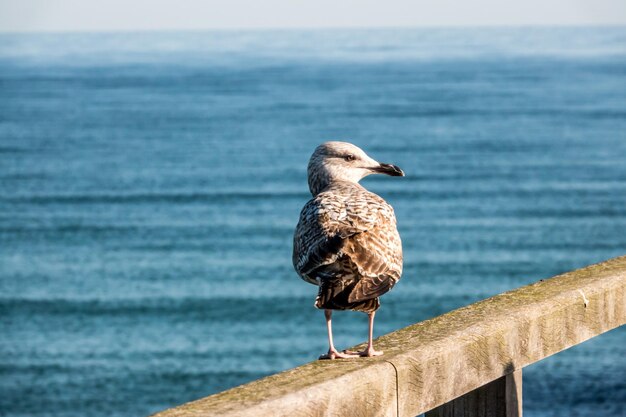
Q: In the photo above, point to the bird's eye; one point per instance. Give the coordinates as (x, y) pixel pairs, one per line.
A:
(349, 157)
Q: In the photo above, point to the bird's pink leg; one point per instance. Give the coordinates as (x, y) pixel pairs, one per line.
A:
(332, 352)
(369, 350)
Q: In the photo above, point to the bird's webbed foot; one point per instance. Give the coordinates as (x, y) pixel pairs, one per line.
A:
(366, 353)
(335, 354)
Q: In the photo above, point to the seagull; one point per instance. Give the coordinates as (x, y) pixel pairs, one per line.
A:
(346, 241)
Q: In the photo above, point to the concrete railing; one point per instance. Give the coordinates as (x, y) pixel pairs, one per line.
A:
(464, 363)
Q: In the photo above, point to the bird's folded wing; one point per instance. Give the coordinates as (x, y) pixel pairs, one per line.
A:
(377, 254)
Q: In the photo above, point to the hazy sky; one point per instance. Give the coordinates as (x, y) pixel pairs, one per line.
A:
(86, 15)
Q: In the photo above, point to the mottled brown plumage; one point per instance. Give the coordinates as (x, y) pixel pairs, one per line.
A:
(346, 240)
(347, 243)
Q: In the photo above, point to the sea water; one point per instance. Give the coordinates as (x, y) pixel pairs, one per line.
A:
(150, 184)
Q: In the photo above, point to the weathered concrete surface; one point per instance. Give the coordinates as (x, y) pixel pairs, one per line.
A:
(431, 363)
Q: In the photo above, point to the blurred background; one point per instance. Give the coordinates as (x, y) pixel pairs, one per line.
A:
(153, 166)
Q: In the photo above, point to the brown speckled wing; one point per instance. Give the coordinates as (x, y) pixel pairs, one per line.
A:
(377, 254)
(348, 220)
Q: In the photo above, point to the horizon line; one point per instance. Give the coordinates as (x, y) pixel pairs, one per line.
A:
(78, 31)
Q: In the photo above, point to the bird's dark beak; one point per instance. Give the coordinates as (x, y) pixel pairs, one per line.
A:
(389, 169)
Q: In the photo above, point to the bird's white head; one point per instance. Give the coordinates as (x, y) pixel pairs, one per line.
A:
(343, 161)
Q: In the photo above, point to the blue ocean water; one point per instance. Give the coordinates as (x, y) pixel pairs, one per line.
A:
(150, 184)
